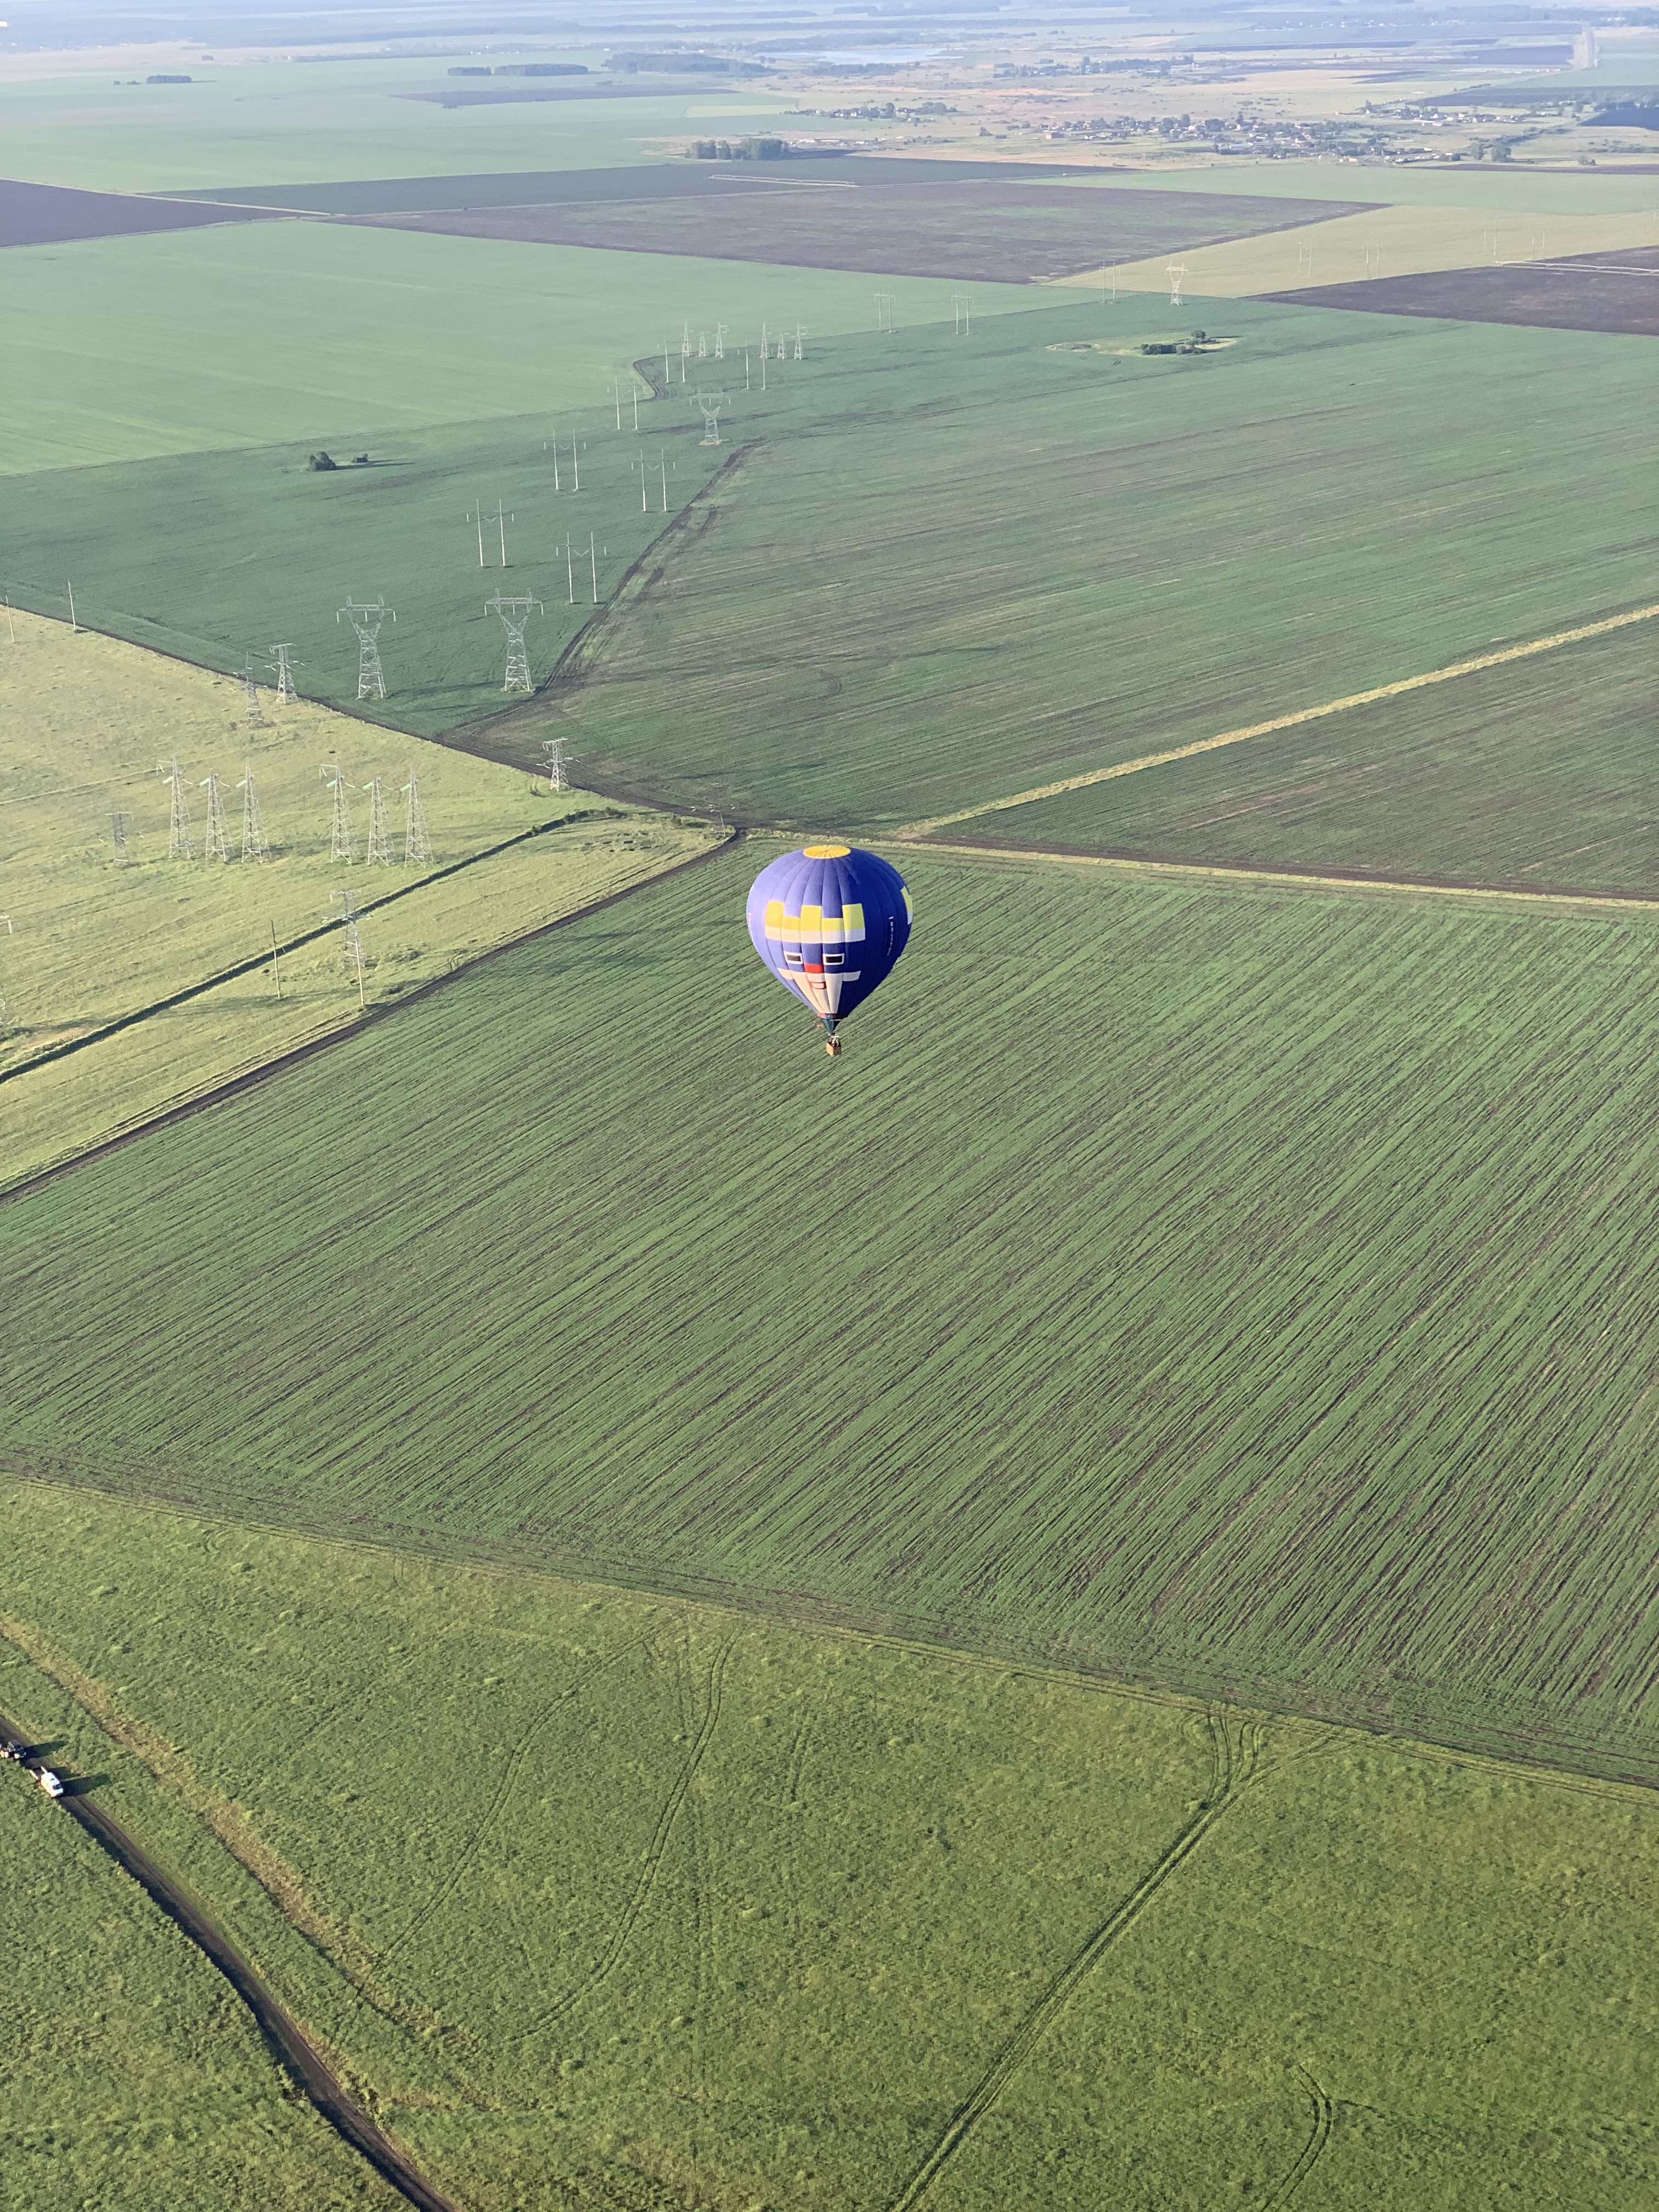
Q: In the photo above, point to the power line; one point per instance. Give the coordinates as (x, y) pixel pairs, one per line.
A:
(366, 617)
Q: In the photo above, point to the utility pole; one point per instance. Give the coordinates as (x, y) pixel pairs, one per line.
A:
(593, 563)
(503, 518)
(570, 572)
(662, 460)
(474, 514)
(639, 466)
(720, 341)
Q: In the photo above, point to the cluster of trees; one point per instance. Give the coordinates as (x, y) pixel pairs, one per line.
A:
(739, 149)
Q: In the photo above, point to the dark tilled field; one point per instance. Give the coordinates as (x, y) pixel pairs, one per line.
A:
(499, 96)
(653, 180)
(1617, 292)
(50, 215)
(996, 232)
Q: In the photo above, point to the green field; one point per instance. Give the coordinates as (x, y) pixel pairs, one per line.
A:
(133, 2081)
(91, 943)
(1249, 1288)
(944, 570)
(1534, 775)
(272, 123)
(121, 348)
(1053, 561)
(613, 1900)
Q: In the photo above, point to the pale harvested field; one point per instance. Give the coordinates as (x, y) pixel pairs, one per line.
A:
(85, 942)
(1388, 241)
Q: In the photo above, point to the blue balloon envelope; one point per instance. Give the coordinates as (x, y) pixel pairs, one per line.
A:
(830, 922)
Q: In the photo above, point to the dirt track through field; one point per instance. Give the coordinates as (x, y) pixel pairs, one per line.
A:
(1233, 1771)
(282, 2036)
(1284, 721)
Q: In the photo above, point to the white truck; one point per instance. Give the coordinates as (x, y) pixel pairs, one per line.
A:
(49, 1782)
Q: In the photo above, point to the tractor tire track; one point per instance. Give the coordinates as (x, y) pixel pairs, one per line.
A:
(1237, 1770)
(285, 2040)
(497, 1805)
(653, 1856)
(1324, 2111)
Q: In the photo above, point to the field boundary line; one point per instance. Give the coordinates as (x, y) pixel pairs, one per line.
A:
(246, 1077)
(1625, 902)
(260, 959)
(1236, 1776)
(1471, 667)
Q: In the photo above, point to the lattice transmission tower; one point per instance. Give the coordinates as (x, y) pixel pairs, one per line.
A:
(282, 666)
(179, 811)
(215, 845)
(379, 853)
(256, 714)
(515, 614)
(256, 845)
(118, 831)
(417, 846)
(366, 617)
(351, 942)
(711, 403)
(557, 756)
(1176, 271)
(340, 846)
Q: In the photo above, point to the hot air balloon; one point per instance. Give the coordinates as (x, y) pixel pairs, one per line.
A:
(830, 922)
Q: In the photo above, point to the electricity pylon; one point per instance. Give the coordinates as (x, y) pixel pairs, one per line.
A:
(380, 837)
(711, 403)
(366, 617)
(178, 812)
(283, 667)
(256, 718)
(215, 846)
(417, 846)
(515, 614)
(340, 844)
(256, 845)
